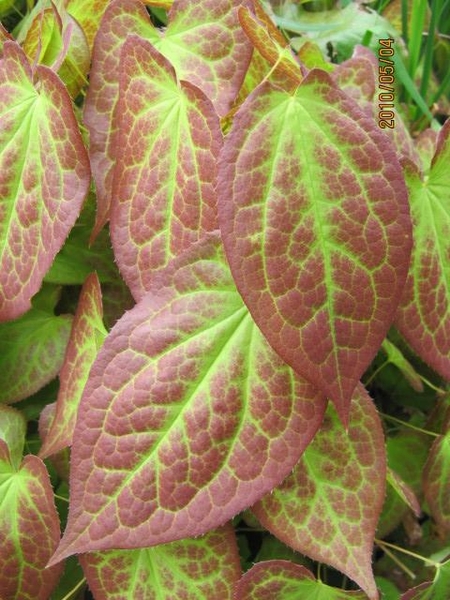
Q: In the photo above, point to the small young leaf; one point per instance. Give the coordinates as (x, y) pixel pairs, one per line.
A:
(163, 195)
(86, 337)
(283, 580)
(188, 416)
(424, 315)
(396, 357)
(314, 214)
(44, 176)
(403, 491)
(29, 529)
(329, 506)
(31, 352)
(436, 483)
(205, 568)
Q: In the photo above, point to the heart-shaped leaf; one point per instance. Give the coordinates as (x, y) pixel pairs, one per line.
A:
(188, 416)
(29, 529)
(329, 507)
(205, 568)
(314, 215)
(205, 43)
(163, 196)
(424, 315)
(44, 176)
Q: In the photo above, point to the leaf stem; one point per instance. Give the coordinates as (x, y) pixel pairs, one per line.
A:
(78, 586)
(384, 545)
(406, 424)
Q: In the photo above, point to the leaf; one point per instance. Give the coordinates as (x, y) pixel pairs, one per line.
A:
(86, 337)
(88, 14)
(31, 352)
(29, 529)
(403, 490)
(329, 506)
(164, 196)
(55, 39)
(438, 589)
(188, 416)
(44, 176)
(423, 318)
(314, 217)
(407, 453)
(13, 428)
(273, 47)
(284, 580)
(204, 42)
(198, 569)
(436, 483)
(396, 357)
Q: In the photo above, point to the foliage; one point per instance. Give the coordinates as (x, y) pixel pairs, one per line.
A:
(242, 282)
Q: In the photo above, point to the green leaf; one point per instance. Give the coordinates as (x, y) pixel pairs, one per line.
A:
(436, 483)
(329, 506)
(438, 589)
(396, 357)
(205, 568)
(164, 186)
(44, 176)
(31, 352)
(188, 416)
(13, 428)
(315, 221)
(424, 315)
(283, 580)
(29, 529)
(86, 337)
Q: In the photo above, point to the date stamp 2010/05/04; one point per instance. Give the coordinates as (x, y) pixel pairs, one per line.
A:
(386, 81)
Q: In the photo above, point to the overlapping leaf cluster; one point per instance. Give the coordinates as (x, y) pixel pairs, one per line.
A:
(271, 236)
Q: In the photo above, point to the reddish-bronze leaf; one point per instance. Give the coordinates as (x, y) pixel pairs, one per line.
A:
(188, 416)
(283, 580)
(44, 176)
(164, 195)
(86, 337)
(204, 42)
(329, 507)
(314, 214)
(205, 568)
(29, 529)
(436, 483)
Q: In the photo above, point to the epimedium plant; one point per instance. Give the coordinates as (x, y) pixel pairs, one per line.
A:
(275, 243)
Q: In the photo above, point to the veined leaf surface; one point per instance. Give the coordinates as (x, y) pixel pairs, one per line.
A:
(205, 43)
(29, 529)
(164, 195)
(205, 568)
(31, 352)
(283, 580)
(188, 416)
(314, 214)
(329, 506)
(424, 315)
(86, 337)
(44, 176)
(13, 428)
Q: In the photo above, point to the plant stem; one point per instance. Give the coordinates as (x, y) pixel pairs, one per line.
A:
(384, 545)
(406, 424)
(78, 586)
